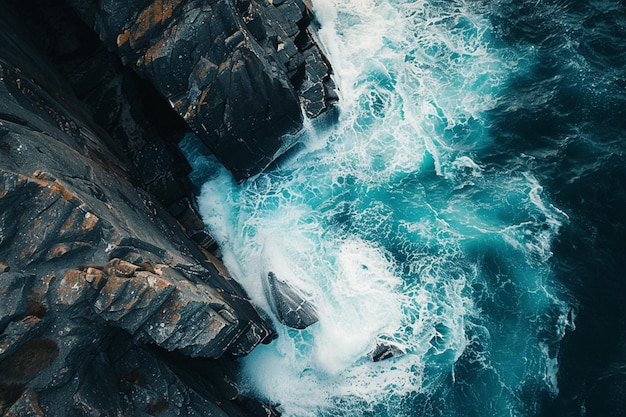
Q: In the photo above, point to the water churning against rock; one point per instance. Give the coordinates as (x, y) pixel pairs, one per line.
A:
(404, 226)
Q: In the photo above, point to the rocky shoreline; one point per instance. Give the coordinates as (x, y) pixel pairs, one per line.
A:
(112, 299)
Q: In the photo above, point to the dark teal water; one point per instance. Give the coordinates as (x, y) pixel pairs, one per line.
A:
(467, 208)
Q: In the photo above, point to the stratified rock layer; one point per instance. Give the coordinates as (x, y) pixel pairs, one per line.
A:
(236, 71)
(93, 270)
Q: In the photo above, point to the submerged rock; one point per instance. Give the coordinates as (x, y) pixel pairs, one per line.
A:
(291, 308)
(384, 351)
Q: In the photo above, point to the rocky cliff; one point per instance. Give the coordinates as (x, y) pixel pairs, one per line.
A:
(111, 302)
(236, 71)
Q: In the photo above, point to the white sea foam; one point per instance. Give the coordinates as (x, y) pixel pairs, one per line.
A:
(390, 225)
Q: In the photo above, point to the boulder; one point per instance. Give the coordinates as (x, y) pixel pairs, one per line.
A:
(289, 305)
(93, 269)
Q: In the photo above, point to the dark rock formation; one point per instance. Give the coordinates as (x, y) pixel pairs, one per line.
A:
(236, 71)
(93, 270)
(142, 129)
(111, 302)
(384, 351)
(291, 308)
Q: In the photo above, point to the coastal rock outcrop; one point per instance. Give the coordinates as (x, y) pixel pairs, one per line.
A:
(385, 350)
(106, 305)
(236, 71)
(142, 129)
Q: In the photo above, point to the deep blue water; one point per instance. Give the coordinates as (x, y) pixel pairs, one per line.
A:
(468, 207)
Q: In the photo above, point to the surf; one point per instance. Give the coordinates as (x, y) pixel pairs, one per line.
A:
(397, 232)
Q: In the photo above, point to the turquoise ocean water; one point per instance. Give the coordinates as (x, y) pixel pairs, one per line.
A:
(428, 215)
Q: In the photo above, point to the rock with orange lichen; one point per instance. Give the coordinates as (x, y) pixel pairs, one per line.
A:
(157, 302)
(156, 293)
(238, 72)
(93, 270)
(27, 405)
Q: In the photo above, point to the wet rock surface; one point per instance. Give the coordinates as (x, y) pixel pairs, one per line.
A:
(142, 129)
(384, 351)
(236, 71)
(98, 281)
(290, 306)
